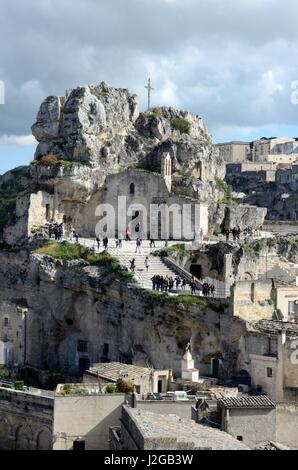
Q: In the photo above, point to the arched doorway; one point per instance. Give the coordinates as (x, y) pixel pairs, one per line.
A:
(196, 270)
(24, 438)
(5, 431)
(44, 440)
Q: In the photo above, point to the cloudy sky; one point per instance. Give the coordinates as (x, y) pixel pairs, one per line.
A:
(231, 61)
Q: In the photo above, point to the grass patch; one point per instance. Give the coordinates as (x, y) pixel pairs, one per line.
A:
(179, 249)
(53, 161)
(159, 112)
(189, 300)
(181, 125)
(66, 251)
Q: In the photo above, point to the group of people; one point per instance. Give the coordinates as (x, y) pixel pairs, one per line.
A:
(167, 283)
(57, 230)
(236, 233)
(208, 290)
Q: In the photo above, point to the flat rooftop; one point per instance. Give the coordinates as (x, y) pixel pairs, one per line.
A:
(112, 371)
(169, 432)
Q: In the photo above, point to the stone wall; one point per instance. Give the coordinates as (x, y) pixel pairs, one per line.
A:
(88, 417)
(70, 302)
(286, 424)
(178, 408)
(26, 421)
(253, 425)
(252, 300)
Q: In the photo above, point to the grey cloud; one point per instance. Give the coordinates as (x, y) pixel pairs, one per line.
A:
(232, 62)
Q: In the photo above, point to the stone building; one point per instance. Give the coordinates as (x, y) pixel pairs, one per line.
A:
(234, 152)
(144, 430)
(275, 371)
(250, 419)
(13, 341)
(265, 299)
(26, 420)
(273, 146)
(144, 379)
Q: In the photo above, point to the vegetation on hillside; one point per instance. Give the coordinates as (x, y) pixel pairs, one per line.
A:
(154, 299)
(181, 125)
(9, 190)
(69, 251)
(255, 247)
(223, 186)
(52, 160)
(179, 250)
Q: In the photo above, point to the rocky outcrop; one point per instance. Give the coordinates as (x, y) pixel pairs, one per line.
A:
(279, 197)
(245, 216)
(74, 128)
(98, 124)
(97, 131)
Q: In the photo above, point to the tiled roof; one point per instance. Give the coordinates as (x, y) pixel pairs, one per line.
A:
(257, 401)
(273, 327)
(114, 370)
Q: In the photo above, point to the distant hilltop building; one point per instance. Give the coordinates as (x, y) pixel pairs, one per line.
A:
(234, 152)
(275, 150)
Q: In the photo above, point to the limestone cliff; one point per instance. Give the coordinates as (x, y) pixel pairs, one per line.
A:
(71, 301)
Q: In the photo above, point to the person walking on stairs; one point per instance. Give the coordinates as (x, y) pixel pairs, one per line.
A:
(133, 265)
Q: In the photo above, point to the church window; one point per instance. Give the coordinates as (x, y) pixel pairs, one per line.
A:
(132, 189)
(82, 346)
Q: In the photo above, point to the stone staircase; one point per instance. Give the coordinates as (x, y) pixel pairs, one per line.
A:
(127, 253)
(277, 268)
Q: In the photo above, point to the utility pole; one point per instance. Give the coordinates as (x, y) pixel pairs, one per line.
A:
(149, 88)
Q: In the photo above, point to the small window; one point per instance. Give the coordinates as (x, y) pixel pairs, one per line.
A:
(82, 346)
(6, 321)
(48, 212)
(239, 438)
(132, 189)
(292, 307)
(269, 372)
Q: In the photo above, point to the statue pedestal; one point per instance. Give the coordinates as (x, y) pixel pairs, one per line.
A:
(188, 369)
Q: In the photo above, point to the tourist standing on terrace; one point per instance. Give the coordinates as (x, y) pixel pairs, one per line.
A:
(147, 263)
(138, 245)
